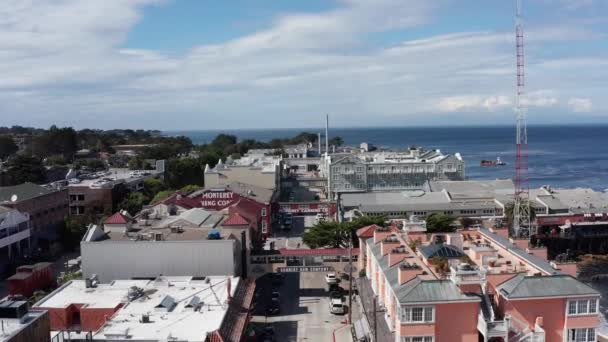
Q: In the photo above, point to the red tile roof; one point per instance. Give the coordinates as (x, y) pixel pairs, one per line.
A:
(117, 218)
(367, 232)
(235, 219)
(317, 252)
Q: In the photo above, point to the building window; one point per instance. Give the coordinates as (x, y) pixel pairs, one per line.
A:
(264, 227)
(582, 335)
(420, 213)
(582, 307)
(422, 314)
(263, 212)
(416, 338)
(77, 210)
(449, 212)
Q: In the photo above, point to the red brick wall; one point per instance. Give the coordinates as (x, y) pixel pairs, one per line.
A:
(93, 319)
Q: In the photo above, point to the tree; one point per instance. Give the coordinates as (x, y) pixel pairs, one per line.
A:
(190, 188)
(134, 202)
(337, 235)
(336, 141)
(224, 140)
(153, 186)
(21, 169)
(7, 147)
(184, 171)
(162, 195)
(439, 223)
(466, 222)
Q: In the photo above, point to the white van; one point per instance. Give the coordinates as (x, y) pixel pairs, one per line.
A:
(336, 306)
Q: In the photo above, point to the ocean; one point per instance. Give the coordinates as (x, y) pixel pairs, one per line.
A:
(560, 156)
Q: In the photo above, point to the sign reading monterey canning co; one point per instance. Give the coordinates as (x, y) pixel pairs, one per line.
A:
(218, 199)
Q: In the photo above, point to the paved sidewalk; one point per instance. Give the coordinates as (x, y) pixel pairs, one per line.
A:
(367, 297)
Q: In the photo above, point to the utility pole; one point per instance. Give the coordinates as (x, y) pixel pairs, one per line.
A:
(350, 277)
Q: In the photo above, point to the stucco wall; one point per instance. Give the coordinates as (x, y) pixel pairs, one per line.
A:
(112, 260)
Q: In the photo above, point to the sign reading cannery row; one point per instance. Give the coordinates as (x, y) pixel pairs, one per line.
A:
(218, 199)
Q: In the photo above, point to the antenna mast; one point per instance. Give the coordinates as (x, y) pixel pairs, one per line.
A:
(521, 208)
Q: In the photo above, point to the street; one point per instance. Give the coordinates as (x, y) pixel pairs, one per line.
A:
(304, 308)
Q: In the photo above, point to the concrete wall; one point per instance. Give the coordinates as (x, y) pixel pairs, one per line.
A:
(112, 260)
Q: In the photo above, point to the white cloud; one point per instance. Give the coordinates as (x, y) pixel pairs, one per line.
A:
(580, 105)
(62, 61)
(472, 103)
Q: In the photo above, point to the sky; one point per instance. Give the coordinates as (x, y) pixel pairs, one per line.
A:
(216, 64)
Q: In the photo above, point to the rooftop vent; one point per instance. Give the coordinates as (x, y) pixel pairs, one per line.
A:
(391, 238)
(145, 318)
(408, 266)
(399, 250)
(91, 282)
(167, 304)
(135, 293)
(195, 303)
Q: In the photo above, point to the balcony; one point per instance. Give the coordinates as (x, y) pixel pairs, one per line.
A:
(14, 237)
(467, 274)
(490, 329)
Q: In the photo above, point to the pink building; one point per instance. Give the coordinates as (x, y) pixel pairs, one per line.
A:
(501, 293)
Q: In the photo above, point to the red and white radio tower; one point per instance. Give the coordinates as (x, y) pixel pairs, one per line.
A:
(521, 208)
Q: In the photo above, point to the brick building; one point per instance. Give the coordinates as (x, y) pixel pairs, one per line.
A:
(47, 209)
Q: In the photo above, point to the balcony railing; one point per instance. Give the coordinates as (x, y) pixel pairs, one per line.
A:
(491, 329)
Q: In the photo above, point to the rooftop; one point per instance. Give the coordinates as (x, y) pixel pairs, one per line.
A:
(23, 192)
(177, 308)
(522, 286)
(164, 234)
(107, 179)
(11, 325)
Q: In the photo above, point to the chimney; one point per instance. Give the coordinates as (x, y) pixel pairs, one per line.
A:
(388, 243)
(408, 272)
(397, 255)
(380, 233)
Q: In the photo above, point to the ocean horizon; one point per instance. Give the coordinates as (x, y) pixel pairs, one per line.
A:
(562, 156)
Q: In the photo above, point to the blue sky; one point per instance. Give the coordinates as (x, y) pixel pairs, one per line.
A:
(206, 64)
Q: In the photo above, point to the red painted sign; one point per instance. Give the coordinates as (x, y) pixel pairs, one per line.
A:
(218, 200)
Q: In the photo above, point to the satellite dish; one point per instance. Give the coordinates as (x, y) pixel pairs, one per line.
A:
(14, 198)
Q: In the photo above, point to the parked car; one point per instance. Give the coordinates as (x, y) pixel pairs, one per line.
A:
(336, 295)
(277, 278)
(331, 278)
(335, 288)
(288, 221)
(273, 308)
(336, 306)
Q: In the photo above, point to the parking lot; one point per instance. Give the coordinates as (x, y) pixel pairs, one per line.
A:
(304, 308)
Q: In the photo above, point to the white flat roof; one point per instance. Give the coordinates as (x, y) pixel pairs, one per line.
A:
(103, 296)
(12, 326)
(180, 322)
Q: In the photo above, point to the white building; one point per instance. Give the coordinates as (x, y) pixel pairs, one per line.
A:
(148, 253)
(14, 233)
(389, 171)
(184, 309)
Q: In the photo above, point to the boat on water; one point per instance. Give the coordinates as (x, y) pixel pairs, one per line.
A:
(496, 162)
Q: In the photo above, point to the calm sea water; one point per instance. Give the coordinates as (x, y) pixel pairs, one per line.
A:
(560, 156)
